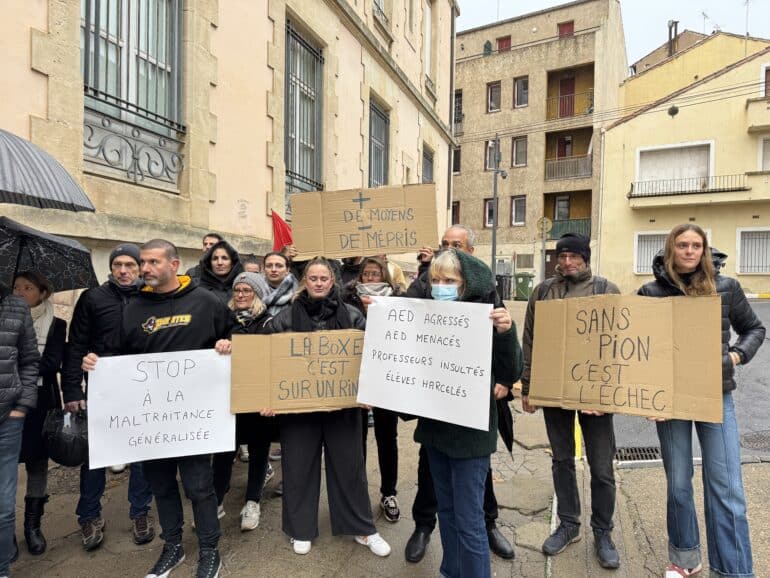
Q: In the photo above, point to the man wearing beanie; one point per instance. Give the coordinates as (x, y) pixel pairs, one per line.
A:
(95, 328)
(573, 278)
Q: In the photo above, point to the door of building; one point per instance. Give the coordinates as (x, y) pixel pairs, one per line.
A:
(567, 97)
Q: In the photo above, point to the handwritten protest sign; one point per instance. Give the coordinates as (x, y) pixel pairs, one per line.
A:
(296, 372)
(428, 358)
(364, 221)
(159, 405)
(631, 355)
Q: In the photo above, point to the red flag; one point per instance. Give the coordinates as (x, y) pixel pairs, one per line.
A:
(281, 233)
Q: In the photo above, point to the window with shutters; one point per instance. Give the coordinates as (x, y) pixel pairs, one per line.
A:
(519, 210)
(304, 115)
(379, 127)
(521, 91)
(646, 245)
(525, 260)
(566, 29)
(753, 251)
(674, 168)
(493, 96)
(504, 44)
(519, 151)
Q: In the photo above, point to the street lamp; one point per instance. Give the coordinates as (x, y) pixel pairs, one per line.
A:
(503, 174)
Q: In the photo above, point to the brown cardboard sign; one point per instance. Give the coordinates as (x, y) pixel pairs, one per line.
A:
(295, 372)
(364, 221)
(629, 354)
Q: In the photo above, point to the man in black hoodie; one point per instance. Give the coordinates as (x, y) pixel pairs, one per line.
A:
(171, 313)
(95, 328)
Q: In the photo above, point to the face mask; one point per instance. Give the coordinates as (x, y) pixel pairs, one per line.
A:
(444, 292)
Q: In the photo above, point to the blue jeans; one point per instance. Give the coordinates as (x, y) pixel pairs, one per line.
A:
(92, 484)
(727, 529)
(10, 446)
(459, 485)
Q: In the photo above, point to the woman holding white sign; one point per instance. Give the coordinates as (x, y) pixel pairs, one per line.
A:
(458, 455)
(688, 266)
(374, 280)
(336, 435)
(249, 317)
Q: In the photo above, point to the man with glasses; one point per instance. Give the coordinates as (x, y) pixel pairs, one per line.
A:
(573, 278)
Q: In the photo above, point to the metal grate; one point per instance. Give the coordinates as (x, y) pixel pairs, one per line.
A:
(644, 454)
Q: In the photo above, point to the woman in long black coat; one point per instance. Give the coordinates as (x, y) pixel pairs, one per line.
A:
(51, 336)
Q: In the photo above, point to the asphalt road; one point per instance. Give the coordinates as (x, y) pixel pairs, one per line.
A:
(752, 405)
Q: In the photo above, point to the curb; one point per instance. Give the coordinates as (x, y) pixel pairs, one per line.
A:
(757, 295)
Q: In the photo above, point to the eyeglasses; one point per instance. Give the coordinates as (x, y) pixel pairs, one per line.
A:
(243, 291)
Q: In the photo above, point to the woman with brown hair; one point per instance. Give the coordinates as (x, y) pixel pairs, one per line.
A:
(688, 266)
(335, 435)
(51, 333)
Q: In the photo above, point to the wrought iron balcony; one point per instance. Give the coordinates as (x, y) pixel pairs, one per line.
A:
(568, 168)
(688, 186)
(581, 226)
(569, 105)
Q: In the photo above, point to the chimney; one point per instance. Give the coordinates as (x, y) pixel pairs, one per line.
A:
(673, 31)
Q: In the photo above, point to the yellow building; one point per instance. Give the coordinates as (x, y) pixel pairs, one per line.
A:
(180, 117)
(700, 154)
(544, 82)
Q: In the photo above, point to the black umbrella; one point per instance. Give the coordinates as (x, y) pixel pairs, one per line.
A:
(30, 176)
(505, 423)
(64, 262)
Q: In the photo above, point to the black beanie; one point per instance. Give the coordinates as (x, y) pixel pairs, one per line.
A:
(127, 249)
(574, 243)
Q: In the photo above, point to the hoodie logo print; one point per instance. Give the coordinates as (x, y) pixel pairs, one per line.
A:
(154, 324)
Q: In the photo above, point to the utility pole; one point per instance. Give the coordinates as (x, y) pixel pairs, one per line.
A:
(497, 172)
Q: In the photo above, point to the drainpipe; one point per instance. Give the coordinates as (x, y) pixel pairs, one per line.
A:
(597, 255)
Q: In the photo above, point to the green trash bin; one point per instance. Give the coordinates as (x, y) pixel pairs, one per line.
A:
(525, 282)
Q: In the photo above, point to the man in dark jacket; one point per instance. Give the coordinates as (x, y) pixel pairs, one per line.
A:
(574, 279)
(95, 328)
(209, 240)
(171, 313)
(424, 507)
(19, 361)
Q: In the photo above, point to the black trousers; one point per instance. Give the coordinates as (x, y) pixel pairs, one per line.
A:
(257, 432)
(196, 476)
(425, 506)
(338, 433)
(386, 435)
(599, 436)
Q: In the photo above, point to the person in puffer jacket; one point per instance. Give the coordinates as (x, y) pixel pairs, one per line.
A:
(19, 362)
(688, 266)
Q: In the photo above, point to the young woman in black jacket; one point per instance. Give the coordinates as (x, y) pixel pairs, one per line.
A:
(249, 316)
(688, 266)
(336, 435)
(51, 336)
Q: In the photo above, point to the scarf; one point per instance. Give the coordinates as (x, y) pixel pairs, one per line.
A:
(306, 312)
(42, 318)
(374, 289)
(276, 298)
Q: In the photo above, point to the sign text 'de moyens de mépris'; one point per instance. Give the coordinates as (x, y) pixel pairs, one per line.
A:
(359, 222)
(428, 358)
(629, 354)
(296, 372)
(159, 405)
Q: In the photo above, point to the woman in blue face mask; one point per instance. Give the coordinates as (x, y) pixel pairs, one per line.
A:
(459, 456)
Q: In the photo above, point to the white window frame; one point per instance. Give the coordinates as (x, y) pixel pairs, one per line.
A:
(487, 223)
(514, 141)
(738, 232)
(499, 99)
(523, 220)
(489, 151)
(680, 145)
(556, 206)
(761, 153)
(516, 92)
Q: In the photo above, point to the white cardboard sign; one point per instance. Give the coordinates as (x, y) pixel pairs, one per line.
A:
(159, 405)
(428, 358)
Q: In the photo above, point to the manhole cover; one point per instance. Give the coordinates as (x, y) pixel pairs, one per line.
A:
(758, 440)
(637, 454)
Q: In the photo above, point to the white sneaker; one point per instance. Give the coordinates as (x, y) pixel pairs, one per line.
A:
(220, 511)
(117, 468)
(250, 516)
(243, 453)
(375, 543)
(301, 546)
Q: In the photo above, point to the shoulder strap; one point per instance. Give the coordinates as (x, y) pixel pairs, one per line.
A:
(544, 287)
(600, 285)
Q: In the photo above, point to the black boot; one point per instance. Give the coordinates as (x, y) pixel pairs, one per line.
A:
(33, 511)
(15, 555)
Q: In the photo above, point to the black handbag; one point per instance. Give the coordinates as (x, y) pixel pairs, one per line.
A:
(65, 436)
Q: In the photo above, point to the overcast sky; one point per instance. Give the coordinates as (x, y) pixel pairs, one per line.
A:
(645, 21)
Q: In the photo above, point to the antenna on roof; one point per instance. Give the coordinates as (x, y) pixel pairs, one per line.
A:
(746, 40)
(705, 17)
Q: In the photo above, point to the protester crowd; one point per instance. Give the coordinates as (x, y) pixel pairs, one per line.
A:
(227, 293)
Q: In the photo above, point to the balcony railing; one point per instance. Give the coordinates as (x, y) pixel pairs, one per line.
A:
(568, 168)
(688, 186)
(581, 226)
(570, 105)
